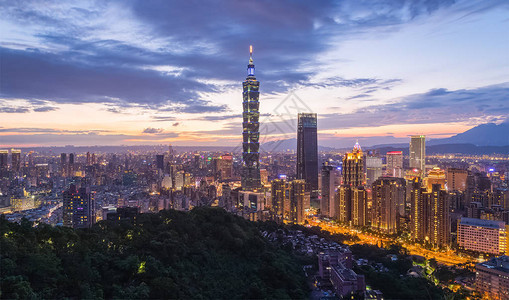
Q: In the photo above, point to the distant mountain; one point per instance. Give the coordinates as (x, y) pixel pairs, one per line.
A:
(489, 134)
(285, 145)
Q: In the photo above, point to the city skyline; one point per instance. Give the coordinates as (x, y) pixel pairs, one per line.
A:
(383, 72)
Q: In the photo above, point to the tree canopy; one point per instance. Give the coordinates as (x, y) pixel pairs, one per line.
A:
(202, 254)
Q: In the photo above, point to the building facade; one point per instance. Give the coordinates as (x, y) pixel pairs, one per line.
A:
(78, 207)
(483, 236)
(327, 207)
(353, 167)
(388, 195)
(418, 153)
(394, 164)
(298, 194)
(307, 151)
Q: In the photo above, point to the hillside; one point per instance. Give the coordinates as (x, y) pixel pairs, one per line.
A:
(489, 134)
(204, 254)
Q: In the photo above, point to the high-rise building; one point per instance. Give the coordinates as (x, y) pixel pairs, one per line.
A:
(431, 222)
(251, 129)
(373, 169)
(264, 176)
(353, 167)
(307, 151)
(327, 207)
(78, 207)
(418, 153)
(223, 167)
(4, 155)
(457, 179)
(63, 164)
(388, 203)
(394, 164)
(344, 200)
(359, 206)
(351, 205)
(70, 171)
(279, 195)
(15, 160)
(297, 193)
(89, 159)
(160, 162)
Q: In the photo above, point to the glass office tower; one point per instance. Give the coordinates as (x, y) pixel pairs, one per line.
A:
(307, 151)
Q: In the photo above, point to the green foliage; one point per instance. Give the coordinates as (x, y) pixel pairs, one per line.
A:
(206, 253)
(394, 283)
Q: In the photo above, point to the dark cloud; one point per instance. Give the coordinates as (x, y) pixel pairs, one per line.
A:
(204, 41)
(14, 110)
(45, 108)
(153, 130)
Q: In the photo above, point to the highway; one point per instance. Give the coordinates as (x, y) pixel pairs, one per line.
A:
(444, 257)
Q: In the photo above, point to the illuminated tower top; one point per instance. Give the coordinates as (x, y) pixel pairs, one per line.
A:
(250, 66)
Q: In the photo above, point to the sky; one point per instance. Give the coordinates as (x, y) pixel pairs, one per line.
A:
(170, 72)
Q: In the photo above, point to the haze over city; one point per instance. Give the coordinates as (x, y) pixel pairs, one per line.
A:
(136, 72)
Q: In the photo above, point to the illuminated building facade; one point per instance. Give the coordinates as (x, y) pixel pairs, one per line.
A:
(388, 203)
(327, 207)
(307, 150)
(431, 222)
(435, 176)
(418, 153)
(298, 194)
(351, 205)
(353, 167)
(78, 207)
(483, 236)
(394, 164)
(251, 129)
(279, 195)
(359, 206)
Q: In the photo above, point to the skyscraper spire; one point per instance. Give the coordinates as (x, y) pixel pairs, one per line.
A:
(250, 66)
(250, 54)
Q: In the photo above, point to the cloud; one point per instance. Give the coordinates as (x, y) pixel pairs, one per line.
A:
(45, 108)
(153, 130)
(88, 52)
(14, 110)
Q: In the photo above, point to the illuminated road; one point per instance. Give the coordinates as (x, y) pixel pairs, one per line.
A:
(447, 258)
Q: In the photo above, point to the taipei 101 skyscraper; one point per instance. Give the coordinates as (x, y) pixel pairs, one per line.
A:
(251, 128)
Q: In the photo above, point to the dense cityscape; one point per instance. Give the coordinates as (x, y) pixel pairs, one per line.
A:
(136, 163)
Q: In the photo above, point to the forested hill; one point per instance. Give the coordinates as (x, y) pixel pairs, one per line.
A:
(203, 254)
